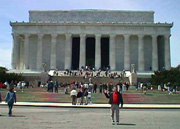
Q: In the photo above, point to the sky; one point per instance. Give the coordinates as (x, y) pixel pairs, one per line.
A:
(17, 10)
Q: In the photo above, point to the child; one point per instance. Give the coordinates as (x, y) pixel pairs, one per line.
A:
(10, 99)
(66, 90)
(85, 96)
(89, 97)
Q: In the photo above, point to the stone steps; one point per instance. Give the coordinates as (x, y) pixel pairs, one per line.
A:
(98, 80)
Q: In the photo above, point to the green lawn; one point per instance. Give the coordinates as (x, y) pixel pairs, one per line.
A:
(131, 96)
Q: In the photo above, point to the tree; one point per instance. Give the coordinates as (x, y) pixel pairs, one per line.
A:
(4, 76)
(3, 70)
(172, 76)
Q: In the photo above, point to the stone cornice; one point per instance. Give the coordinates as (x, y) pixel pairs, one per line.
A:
(93, 10)
(126, 24)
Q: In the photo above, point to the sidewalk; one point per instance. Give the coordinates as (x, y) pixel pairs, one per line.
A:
(69, 105)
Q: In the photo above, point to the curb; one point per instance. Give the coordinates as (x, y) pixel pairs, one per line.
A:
(100, 106)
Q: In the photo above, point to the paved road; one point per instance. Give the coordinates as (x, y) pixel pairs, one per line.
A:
(80, 118)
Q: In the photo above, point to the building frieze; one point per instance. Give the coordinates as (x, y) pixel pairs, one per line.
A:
(48, 23)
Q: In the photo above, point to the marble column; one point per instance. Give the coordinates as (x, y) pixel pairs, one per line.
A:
(126, 52)
(140, 52)
(98, 51)
(26, 51)
(15, 59)
(68, 51)
(53, 51)
(21, 53)
(82, 58)
(167, 53)
(39, 52)
(112, 56)
(154, 53)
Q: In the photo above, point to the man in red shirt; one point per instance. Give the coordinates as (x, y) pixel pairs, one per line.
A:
(115, 98)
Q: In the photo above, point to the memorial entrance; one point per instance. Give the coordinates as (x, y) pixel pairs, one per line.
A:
(104, 52)
(90, 52)
(75, 53)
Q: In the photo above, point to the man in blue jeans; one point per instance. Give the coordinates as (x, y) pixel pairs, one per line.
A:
(10, 99)
(115, 98)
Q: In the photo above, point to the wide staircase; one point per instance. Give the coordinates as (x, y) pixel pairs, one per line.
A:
(97, 80)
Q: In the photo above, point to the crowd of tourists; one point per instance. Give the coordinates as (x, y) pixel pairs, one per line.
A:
(90, 72)
(172, 89)
(81, 93)
(20, 85)
(168, 87)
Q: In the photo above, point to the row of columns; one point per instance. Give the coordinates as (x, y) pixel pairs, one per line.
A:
(82, 61)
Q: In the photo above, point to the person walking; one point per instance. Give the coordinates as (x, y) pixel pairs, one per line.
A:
(115, 98)
(127, 86)
(48, 87)
(83, 90)
(74, 96)
(89, 97)
(23, 86)
(100, 88)
(10, 99)
(51, 86)
(169, 86)
(56, 86)
(95, 87)
(119, 84)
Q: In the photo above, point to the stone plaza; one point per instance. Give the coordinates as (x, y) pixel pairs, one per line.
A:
(83, 118)
(97, 38)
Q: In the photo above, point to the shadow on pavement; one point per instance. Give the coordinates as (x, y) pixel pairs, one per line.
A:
(2, 115)
(17, 116)
(11, 116)
(127, 124)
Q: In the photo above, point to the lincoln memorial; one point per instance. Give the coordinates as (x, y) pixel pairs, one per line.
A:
(70, 39)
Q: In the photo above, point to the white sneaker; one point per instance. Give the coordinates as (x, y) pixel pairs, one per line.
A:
(117, 123)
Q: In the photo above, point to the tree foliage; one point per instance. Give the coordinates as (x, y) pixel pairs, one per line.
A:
(172, 76)
(4, 76)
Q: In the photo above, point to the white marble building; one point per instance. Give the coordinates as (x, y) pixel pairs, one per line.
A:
(132, 37)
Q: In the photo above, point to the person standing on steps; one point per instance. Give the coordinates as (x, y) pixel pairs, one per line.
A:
(115, 98)
(73, 95)
(10, 99)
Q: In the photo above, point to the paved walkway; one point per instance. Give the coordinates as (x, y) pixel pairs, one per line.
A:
(91, 118)
(126, 106)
